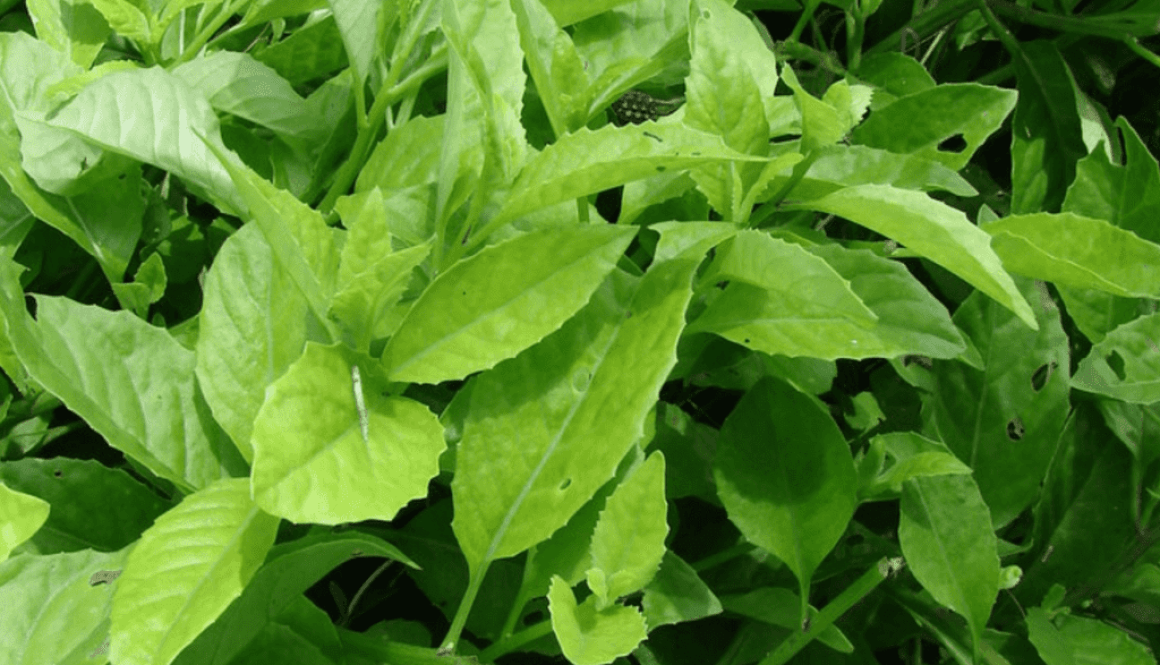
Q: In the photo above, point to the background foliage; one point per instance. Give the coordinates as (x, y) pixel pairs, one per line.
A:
(655, 332)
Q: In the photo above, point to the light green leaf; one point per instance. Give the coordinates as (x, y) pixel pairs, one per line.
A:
(1052, 648)
(780, 607)
(253, 324)
(914, 457)
(329, 449)
(408, 156)
(290, 569)
(502, 300)
(155, 117)
(309, 53)
(589, 636)
(1125, 365)
(263, 11)
(785, 476)
(933, 230)
(238, 84)
(732, 74)
(358, 22)
(186, 569)
(588, 162)
(297, 234)
(568, 12)
(821, 124)
(147, 287)
(918, 123)
(946, 536)
(126, 19)
(560, 76)
(791, 323)
(72, 487)
(1079, 252)
(994, 418)
(629, 541)
(594, 380)
(56, 608)
(677, 594)
(840, 166)
(171, 9)
(73, 27)
(21, 515)
(131, 382)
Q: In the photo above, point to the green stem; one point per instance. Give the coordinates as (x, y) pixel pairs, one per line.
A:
(460, 619)
(207, 34)
(1110, 26)
(723, 556)
(1137, 48)
(389, 93)
(925, 24)
(830, 613)
(513, 642)
(803, 20)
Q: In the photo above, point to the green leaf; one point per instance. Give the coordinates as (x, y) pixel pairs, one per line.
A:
(21, 516)
(946, 536)
(73, 27)
(1047, 139)
(568, 12)
(589, 636)
(1125, 365)
(995, 418)
(72, 487)
(310, 53)
(629, 541)
(840, 166)
(1052, 648)
(677, 594)
(148, 286)
(594, 380)
(297, 234)
(785, 476)
(732, 74)
(931, 229)
(126, 19)
(587, 162)
(918, 123)
(253, 325)
(56, 608)
(319, 423)
(1128, 195)
(185, 571)
(167, 118)
(560, 76)
(497, 303)
(1095, 642)
(290, 569)
(821, 124)
(792, 323)
(1079, 252)
(238, 84)
(263, 11)
(780, 607)
(915, 457)
(896, 74)
(108, 368)
(358, 23)
(408, 156)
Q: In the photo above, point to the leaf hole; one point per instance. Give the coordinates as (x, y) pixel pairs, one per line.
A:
(1015, 430)
(58, 473)
(1042, 375)
(955, 144)
(533, 618)
(1116, 362)
(565, 485)
(661, 169)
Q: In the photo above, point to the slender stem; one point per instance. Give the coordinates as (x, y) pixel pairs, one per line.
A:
(804, 19)
(1110, 26)
(460, 619)
(831, 613)
(205, 35)
(723, 556)
(925, 24)
(1137, 48)
(513, 642)
(362, 589)
(389, 93)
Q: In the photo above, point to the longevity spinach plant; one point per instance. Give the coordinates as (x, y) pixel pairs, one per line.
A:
(353, 331)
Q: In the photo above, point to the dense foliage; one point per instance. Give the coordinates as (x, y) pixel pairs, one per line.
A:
(657, 332)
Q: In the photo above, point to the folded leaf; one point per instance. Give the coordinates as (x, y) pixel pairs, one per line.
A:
(589, 636)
